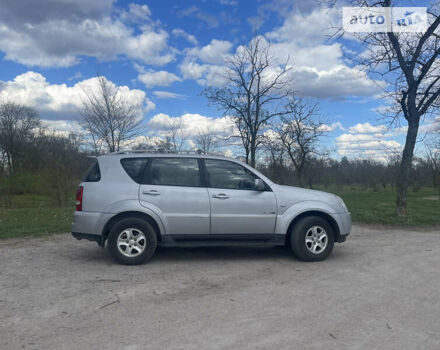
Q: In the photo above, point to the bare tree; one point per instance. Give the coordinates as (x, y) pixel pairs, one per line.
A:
(175, 135)
(275, 156)
(408, 62)
(300, 132)
(18, 124)
(108, 117)
(254, 93)
(274, 146)
(206, 141)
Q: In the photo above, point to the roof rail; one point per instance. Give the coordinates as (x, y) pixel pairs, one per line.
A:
(166, 151)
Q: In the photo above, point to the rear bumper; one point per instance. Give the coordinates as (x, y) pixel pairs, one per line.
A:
(90, 237)
(342, 238)
(90, 222)
(89, 225)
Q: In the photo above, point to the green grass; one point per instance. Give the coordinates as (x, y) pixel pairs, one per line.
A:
(373, 207)
(37, 215)
(33, 215)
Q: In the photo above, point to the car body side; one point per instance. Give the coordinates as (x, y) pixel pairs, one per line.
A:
(103, 206)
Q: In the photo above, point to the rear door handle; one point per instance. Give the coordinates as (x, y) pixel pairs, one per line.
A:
(151, 193)
(220, 196)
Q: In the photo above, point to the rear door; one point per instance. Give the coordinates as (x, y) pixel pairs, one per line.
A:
(175, 187)
(236, 206)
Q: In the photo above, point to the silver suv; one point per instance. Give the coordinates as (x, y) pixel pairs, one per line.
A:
(139, 200)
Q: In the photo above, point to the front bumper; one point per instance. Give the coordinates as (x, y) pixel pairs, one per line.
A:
(344, 223)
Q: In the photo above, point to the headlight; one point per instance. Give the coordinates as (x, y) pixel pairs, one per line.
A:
(341, 202)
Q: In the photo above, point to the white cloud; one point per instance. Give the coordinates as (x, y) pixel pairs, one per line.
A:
(167, 94)
(204, 74)
(332, 127)
(66, 32)
(367, 128)
(229, 2)
(431, 126)
(160, 78)
(192, 70)
(193, 124)
(319, 69)
(62, 127)
(193, 11)
(206, 64)
(136, 13)
(181, 33)
(376, 146)
(312, 27)
(59, 101)
(215, 52)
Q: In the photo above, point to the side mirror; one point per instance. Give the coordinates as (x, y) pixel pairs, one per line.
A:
(259, 185)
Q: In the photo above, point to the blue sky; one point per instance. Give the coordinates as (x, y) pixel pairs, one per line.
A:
(163, 53)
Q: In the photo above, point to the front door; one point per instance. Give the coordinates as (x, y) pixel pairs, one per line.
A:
(236, 206)
(174, 186)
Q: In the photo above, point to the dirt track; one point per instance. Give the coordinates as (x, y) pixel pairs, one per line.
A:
(380, 289)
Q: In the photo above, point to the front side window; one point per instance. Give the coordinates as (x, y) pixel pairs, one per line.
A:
(174, 172)
(229, 175)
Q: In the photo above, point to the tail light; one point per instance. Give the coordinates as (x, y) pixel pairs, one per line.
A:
(79, 199)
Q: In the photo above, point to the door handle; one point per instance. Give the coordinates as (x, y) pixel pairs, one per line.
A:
(151, 193)
(220, 196)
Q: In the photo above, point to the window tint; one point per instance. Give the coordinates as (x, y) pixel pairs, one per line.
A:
(134, 167)
(94, 173)
(174, 172)
(229, 175)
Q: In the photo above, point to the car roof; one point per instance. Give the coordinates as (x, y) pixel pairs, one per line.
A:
(176, 154)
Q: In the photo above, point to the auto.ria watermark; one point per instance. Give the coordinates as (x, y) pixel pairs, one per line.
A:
(385, 19)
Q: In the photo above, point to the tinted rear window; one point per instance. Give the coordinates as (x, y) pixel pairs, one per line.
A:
(94, 173)
(134, 167)
(175, 172)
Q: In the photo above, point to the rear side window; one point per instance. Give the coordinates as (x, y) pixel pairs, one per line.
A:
(94, 173)
(134, 167)
(174, 172)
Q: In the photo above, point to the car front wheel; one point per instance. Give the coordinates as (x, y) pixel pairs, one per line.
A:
(312, 239)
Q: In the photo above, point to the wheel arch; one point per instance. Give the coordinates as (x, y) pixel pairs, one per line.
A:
(318, 213)
(131, 214)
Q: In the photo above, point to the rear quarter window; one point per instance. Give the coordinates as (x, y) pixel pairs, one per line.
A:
(93, 173)
(134, 167)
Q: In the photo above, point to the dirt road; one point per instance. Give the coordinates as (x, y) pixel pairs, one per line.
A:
(380, 289)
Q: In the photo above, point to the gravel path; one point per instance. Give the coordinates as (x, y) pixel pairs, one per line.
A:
(379, 290)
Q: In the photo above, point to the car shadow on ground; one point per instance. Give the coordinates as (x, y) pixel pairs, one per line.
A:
(221, 253)
(176, 254)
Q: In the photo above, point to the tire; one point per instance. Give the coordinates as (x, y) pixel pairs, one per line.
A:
(132, 241)
(320, 239)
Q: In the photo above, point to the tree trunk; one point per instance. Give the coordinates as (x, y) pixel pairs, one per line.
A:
(299, 176)
(434, 178)
(405, 166)
(253, 153)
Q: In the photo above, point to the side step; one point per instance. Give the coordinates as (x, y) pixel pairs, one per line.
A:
(226, 240)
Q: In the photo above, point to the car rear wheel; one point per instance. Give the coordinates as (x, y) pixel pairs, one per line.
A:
(132, 241)
(312, 239)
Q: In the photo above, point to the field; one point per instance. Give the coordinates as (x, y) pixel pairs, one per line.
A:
(33, 215)
(377, 207)
(38, 215)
